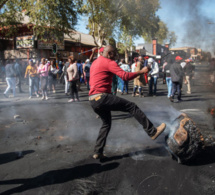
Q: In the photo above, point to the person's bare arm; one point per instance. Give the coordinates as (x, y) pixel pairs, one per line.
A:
(92, 55)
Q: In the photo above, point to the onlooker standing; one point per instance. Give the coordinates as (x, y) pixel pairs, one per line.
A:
(18, 69)
(43, 71)
(80, 73)
(189, 72)
(153, 76)
(73, 79)
(87, 72)
(139, 81)
(52, 76)
(65, 74)
(31, 70)
(176, 73)
(167, 77)
(126, 68)
(10, 78)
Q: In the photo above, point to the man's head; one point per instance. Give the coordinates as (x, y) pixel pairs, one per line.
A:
(178, 58)
(140, 58)
(150, 60)
(109, 52)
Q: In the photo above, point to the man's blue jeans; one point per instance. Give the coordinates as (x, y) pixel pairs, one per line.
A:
(124, 84)
(169, 86)
(11, 84)
(153, 82)
(32, 85)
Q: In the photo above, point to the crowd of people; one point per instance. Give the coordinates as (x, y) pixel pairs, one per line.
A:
(43, 76)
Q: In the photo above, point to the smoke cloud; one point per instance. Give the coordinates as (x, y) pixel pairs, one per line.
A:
(193, 20)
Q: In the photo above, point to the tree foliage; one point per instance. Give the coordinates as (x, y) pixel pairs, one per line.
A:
(107, 17)
(46, 15)
(163, 35)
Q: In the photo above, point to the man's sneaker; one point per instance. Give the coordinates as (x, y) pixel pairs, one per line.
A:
(171, 99)
(5, 95)
(43, 98)
(160, 129)
(47, 98)
(71, 100)
(98, 156)
(37, 95)
(30, 97)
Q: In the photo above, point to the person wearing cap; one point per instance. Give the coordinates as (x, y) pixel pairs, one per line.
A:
(176, 73)
(31, 71)
(188, 72)
(103, 101)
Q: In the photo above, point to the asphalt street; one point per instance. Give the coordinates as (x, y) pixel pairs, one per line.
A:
(48, 148)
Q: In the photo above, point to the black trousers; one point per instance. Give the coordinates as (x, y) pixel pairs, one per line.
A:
(176, 86)
(19, 82)
(73, 89)
(108, 103)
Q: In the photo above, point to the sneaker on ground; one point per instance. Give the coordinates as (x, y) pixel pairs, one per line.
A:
(171, 99)
(71, 100)
(5, 95)
(43, 98)
(47, 98)
(98, 156)
(30, 97)
(160, 129)
(37, 95)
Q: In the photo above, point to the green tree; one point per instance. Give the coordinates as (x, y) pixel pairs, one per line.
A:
(162, 34)
(107, 17)
(46, 15)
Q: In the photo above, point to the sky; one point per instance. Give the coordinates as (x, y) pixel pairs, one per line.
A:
(193, 21)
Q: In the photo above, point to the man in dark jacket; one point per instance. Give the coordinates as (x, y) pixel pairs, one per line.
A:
(10, 78)
(176, 73)
(18, 69)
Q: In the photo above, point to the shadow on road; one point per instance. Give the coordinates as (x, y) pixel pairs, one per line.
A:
(12, 156)
(57, 177)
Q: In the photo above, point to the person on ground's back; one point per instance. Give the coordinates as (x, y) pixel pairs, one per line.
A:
(103, 102)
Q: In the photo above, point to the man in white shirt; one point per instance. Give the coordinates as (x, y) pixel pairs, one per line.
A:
(126, 68)
(153, 76)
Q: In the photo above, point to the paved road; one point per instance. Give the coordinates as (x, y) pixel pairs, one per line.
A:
(48, 150)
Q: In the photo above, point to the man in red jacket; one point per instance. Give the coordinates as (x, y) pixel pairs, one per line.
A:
(103, 102)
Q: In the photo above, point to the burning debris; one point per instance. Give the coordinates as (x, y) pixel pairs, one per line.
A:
(188, 141)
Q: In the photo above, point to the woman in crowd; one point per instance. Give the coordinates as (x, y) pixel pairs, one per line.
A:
(52, 77)
(73, 78)
(43, 71)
